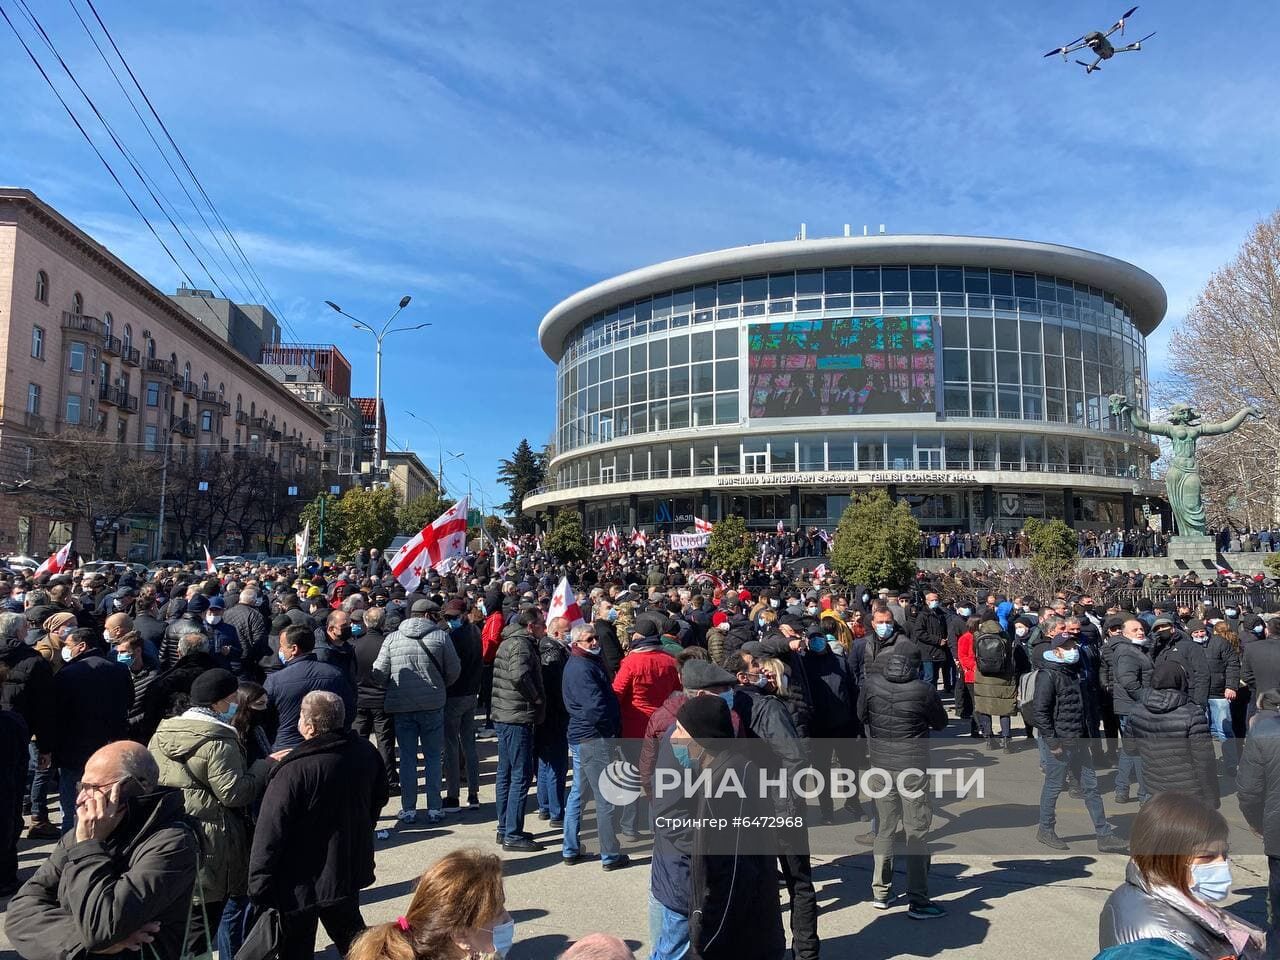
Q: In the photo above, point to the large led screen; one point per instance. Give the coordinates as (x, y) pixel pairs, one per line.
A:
(844, 367)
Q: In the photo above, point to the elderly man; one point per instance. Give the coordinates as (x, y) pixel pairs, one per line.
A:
(123, 879)
(333, 644)
(313, 845)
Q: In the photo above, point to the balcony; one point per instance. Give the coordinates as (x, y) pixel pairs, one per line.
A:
(78, 321)
(242, 418)
(260, 422)
(132, 357)
(209, 396)
(109, 395)
(33, 422)
(189, 389)
(158, 366)
(111, 346)
(275, 436)
(224, 446)
(130, 404)
(186, 428)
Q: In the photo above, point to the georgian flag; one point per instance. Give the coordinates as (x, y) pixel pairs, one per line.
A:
(777, 564)
(301, 544)
(208, 561)
(638, 539)
(819, 572)
(56, 563)
(701, 526)
(615, 541)
(565, 604)
(781, 527)
(710, 578)
(509, 548)
(438, 541)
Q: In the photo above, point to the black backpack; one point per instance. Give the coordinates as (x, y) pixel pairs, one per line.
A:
(992, 652)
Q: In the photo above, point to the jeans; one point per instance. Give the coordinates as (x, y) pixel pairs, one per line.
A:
(377, 721)
(425, 727)
(589, 761)
(232, 929)
(1220, 729)
(40, 780)
(668, 932)
(67, 780)
(515, 773)
(460, 745)
(552, 749)
(797, 873)
(915, 815)
(1074, 757)
(984, 726)
(1129, 768)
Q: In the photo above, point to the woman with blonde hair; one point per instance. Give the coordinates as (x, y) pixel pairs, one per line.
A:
(458, 912)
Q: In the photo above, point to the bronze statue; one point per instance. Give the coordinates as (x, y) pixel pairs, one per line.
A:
(1182, 481)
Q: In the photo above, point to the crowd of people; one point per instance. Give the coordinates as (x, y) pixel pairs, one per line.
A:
(212, 752)
(1013, 544)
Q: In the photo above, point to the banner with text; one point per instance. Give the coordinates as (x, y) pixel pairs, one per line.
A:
(689, 541)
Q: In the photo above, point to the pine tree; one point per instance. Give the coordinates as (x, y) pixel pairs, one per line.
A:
(565, 541)
(876, 542)
(731, 547)
(521, 475)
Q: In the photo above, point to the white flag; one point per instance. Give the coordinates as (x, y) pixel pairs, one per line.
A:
(301, 544)
(446, 537)
(565, 604)
(56, 563)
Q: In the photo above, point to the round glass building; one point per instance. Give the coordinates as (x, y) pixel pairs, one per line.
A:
(968, 375)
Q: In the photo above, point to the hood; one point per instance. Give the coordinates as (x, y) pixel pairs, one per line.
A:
(179, 737)
(1164, 700)
(901, 669)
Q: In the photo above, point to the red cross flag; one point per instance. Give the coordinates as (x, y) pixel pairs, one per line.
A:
(208, 561)
(564, 604)
(819, 572)
(56, 563)
(701, 526)
(638, 538)
(438, 541)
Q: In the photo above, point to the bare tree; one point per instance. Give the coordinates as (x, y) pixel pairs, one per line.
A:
(1225, 355)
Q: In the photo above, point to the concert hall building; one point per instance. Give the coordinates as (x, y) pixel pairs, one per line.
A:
(967, 375)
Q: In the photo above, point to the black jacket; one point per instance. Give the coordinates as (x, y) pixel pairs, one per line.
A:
(518, 696)
(1258, 780)
(369, 693)
(93, 696)
(898, 710)
(1132, 669)
(1185, 651)
(251, 628)
(164, 691)
(28, 690)
(466, 642)
(878, 650)
(89, 895)
(610, 649)
(150, 630)
(929, 631)
(1260, 665)
(1059, 703)
(553, 655)
(1171, 735)
(1224, 666)
(313, 844)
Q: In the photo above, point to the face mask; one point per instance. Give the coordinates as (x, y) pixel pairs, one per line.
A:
(455, 623)
(682, 755)
(1200, 637)
(504, 935)
(817, 644)
(812, 611)
(283, 658)
(933, 604)
(723, 628)
(727, 697)
(1211, 881)
(66, 654)
(884, 630)
(1066, 657)
(20, 597)
(125, 658)
(866, 597)
(357, 629)
(591, 651)
(213, 619)
(762, 682)
(964, 611)
(1258, 628)
(613, 614)
(1232, 613)
(229, 712)
(1141, 641)
(774, 604)
(1214, 620)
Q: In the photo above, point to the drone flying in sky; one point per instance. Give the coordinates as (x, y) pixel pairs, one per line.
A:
(1100, 45)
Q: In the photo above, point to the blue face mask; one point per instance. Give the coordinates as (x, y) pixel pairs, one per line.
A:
(281, 656)
(455, 623)
(884, 630)
(357, 629)
(817, 644)
(613, 613)
(230, 712)
(727, 697)
(1066, 657)
(1211, 881)
(125, 658)
(682, 755)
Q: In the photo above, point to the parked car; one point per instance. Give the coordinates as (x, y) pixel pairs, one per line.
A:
(21, 562)
(160, 564)
(114, 566)
(226, 559)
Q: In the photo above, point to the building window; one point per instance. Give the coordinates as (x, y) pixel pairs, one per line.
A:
(42, 286)
(33, 398)
(122, 427)
(206, 421)
(151, 437)
(108, 323)
(204, 383)
(37, 342)
(77, 303)
(73, 409)
(151, 348)
(186, 372)
(153, 394)
(128, 338)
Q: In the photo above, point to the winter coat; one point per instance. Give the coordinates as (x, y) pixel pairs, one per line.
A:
(175, 632)
(93, 696)
(466, 644)
(251, 630)
(415, 681)
(965, 657)
(169, 690)
(717, 645)
(1258, 779)
(589, 700)
(1260, 665)
(1224, 666)
(552, 654)
(878, 650)
(518, 696)
(340, 655)
(1133, 912)
(1132, 671)
(28, 691)
(996, 695)
(92, 894)
(313, 845)
(287, 686)
(370, 691)
(1185, 651)
(204, 759)
(929, 631)
(644, 681)
(1059, 703)
(1171, 734)
(610, 648)
(898, 710)
(832, 692)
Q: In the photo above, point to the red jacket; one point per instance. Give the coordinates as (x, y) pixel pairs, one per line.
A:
(491, 637)
(964, 654)
(644, 681)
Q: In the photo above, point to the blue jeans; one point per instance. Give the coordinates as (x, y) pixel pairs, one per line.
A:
(553, 768)
(425, 727)
(1074, 757)
(1129, 769)
(460, 745)
(515, 773)
(231, 930)
(40, 780)
(67, 780)
(668, 932)
(589, 761)
(1221, 730)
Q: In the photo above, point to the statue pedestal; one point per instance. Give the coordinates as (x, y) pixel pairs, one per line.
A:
(1195, 551)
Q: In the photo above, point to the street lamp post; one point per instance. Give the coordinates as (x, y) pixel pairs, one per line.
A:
(439, 450)
(164, 483)
(378, 336)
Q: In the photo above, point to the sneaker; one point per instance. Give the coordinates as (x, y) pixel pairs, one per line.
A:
(451, 805)
(382, 834)
(544, 815)
(43, 830)
(522, 845)
(878, 904)
(435, 817)
(1110, 843)
(556, 822)
(407, 816)
(926, 911)
(1051, 839)
(866, 839)
(1075, 793)
(993, 745)
(618, 864)
(473, 803)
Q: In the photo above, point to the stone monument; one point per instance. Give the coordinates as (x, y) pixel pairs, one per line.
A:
(1182, 481)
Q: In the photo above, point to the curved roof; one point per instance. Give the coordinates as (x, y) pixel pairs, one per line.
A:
(1137, 288)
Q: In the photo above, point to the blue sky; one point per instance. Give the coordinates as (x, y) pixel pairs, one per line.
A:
(490, 159)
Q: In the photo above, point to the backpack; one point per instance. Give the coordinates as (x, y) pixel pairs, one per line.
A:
(1027, 697)
(992, 653)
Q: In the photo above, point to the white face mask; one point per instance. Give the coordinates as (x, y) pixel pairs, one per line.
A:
(66, 654)
(212, 618)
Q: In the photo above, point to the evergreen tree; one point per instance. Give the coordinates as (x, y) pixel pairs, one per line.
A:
(731, 547)
(521, 474)
(421, 510)
(1054, 551)
(876, 542)
(565, 541)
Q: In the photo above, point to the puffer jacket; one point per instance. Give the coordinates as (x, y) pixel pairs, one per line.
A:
(1059, 703)
(1224, 666)
(1132, 669)
(644, 681)
(1185, 651)
(413, 681)
(1133, 913)
(204, 759)
(1258, 780)
(1171, 734)
(518, 696)
(28, 690)
(898, 710)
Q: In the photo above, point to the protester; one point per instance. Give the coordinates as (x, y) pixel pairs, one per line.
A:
(303, 673)
(519, 705)
(460, 711)
(371, 692)
(1172, 737)
(1258, 791)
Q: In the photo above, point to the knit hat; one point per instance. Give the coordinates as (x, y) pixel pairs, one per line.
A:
(1196, 626)
(701, 674)
(645, 628)
(718, 618)
(56, 622)
(455, 607)
(706, 718)
(1169, 676)
(212, 686)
